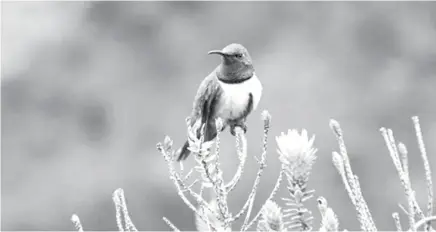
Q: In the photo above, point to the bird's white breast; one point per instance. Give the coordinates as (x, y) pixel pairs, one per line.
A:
(235, 97)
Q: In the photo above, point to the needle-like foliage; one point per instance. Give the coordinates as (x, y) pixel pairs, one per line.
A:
(296, 153)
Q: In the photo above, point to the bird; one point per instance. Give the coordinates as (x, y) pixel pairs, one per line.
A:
(231, 92)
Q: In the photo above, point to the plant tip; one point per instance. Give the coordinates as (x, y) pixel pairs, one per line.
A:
(266, 116)
(159, 146)
(334, 125)
(168, 143)
(74, 218)
(402, 148)
(338, 161)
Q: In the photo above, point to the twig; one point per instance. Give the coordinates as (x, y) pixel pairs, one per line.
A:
(262, 164)
(423, 221)
(188, 174)
(175, 179)
(182, 168)
(338, 161)
(271, 196)
(189, 187)
(394, 148)
(348, 173)
(368, 219)
(120, 204)
(171, 225)
(221, 195)
(242, 155)
(250, 208)
(198, 197)
(77, 224)
(129, 224)
(403, 209)
(209, 167)
(420, 139)
(200, 224)
(405, 181)
(201, 189)
(363, 214)
(404, 160)
(218, 126)
(396, 218)
(118, 216)
(254, 188)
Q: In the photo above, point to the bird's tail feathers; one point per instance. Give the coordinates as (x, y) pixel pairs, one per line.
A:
(183, 152)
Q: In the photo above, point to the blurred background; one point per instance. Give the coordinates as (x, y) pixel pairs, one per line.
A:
(88, 89)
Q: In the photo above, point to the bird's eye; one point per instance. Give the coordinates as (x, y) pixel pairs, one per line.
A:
(238, 55)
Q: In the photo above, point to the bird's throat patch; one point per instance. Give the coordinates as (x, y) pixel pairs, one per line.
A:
(235, 80)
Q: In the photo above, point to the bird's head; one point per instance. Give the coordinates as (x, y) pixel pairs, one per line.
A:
(234, 53)
(236, 61)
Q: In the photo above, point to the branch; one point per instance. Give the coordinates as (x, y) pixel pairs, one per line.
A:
(171, 225)
(262, 165)
(422, 222)
(338, 162)
(218, 182)
(197, 196)
(426, 168)
(363, 213)
(271, 196)
(177, 182)
(253, 190)
(405, 180)
(120, 205)
(250, 208)
(396, 218)
(241, 148)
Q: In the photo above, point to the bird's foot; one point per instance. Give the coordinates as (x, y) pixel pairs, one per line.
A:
(240, 124)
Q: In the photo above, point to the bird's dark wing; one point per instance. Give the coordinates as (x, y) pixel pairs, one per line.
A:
(204, 110)
(205, 100)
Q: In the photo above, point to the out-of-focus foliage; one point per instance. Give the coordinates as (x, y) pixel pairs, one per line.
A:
(89, 88)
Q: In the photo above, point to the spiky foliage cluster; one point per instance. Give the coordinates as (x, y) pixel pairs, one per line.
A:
(296, 153)
(271, 218)
(297, 156)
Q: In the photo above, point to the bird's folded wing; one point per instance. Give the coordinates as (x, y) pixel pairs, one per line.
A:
(205, 99)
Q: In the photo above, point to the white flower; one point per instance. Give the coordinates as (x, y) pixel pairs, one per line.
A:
(294, 147)
(296, 153)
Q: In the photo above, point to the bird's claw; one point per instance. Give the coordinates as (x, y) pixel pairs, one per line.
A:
(241, 125)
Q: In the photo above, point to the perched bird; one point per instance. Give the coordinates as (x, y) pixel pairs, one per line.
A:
(232, 91)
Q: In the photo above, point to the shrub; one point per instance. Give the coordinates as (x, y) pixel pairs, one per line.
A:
(297, 155)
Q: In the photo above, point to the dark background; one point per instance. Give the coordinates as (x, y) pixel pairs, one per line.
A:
(88, 89)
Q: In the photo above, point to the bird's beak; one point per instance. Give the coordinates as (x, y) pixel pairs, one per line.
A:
(219, 52)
